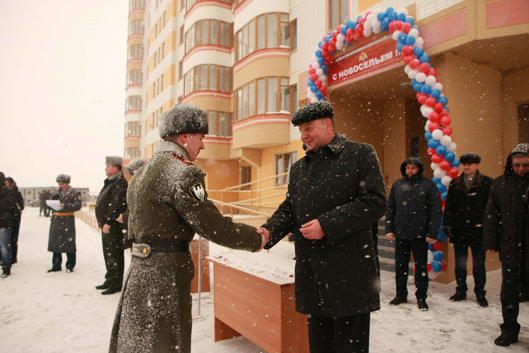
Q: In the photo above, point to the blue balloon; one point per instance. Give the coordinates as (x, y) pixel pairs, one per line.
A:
(314, 88)
(441, 150)
(450, 156)
(436, 94)
(428, 135)
(401, 17)
(381, 16)
(402, 38)
(438, 256)
(343, 30)
(410, 20)
(349, 24)
(418, 51)
(321, 61)
(441, 237)
(324, 67)
(425, 89)
(443, 195)
(413, 82)
(310, 82)
(424, 58)
(318, 53)
(410, 40)
(437, 266)
(327, 39)
(400, 46)
(384, 26)
(319, 95)
(441, 188)
(455, 163)
(389, 10)
(433, 143)
(324, 99)
(436, 180)
(392, 16)
(417, 87)
(319, 44)
(443, 100)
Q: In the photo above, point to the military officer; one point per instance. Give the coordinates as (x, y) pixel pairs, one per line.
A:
(168, 204)
(62, 229)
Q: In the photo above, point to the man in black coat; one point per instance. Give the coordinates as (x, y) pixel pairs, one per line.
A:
(17, 217)
(413, 218)
(464, 214)
(7, 202)
(112, 202)
(505, 219)
(336, 192)
(62, 228)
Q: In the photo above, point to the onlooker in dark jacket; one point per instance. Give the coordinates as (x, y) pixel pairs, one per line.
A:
(131, 168)
(504, 232)
(464, 215)
(17, 217)
(7, 202)
(112, 202)
(413, 218)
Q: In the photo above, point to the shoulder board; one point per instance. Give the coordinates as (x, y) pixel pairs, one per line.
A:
(181, 159)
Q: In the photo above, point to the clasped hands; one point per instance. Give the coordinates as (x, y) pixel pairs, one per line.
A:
(310, 230)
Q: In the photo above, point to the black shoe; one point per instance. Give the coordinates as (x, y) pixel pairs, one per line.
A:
(421, 303)
(13, 261)
(110, 291)
(69, 270)
(482, 301)
(54, 270)
(505, 340)
(523, 298)
(459, 296)
(103, 286)
(6, 272)
(398, 300)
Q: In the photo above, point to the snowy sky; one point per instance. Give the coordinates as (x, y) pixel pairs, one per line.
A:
(62, 89)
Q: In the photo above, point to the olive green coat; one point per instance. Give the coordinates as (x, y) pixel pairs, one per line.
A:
(167, 200)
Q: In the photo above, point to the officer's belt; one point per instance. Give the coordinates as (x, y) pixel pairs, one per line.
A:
(63, 214)
(165, 244)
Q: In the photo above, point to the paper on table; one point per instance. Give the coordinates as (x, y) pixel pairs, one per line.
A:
(54, 204)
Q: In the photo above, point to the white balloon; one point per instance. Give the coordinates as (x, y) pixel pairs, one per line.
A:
(421, 77)
(438, 86)
(311, 94)
(396, 35)
(426, 112)
(419, 42)
(434, 166)
(430, 80)
(430, 256)
(314, 59)
(315, 66)
(367, 32)
(446, 140)
(439, 173)
(407, 69)
(323, 78)
(437, 134)
(376, 25)
(414, 32)
(339, 45)
(446, 180)
(433, 275)
(412, 74)
(340, 38)
(427, 126)
(369, 19)
(314, 100)
(452, 147)
(319, 72)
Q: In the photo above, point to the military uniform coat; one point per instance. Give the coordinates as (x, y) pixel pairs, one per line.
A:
(62, 229)
(167, 200)
(341, 185)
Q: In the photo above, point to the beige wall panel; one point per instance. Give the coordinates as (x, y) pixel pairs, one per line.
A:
(148, 151)
(134, 66)
(168, 105)
(132, 143)
(394, 129)
(220, 175)
(212, 103)
(170, 42)
(264, 67)
(261, 136)
(215, 151)
(482, 30)
(135, 41)
(514, 92)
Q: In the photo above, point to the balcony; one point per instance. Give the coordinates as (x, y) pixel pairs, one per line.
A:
(216, 148)
(262, 131)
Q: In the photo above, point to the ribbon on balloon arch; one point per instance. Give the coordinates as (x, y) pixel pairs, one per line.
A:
(423, 76)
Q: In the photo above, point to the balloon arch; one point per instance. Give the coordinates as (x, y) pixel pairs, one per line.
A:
(422, 74)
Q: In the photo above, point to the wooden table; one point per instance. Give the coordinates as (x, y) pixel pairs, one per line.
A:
(259, 309)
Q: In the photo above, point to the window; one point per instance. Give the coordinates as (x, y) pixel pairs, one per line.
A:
(154, 61)
(338, 12)
(164, 18)
(154, 89)
(266, 31)
(219, 124)
(132, 152)
(136, 27)
(294, 34)
(208, 32)
(133, 103)
(266, 95)
(132, 128)
(158, 86)
(155, 29)
(190, 3)
(163, 50)
(134, 77)
(135, 52)
(161, 82)
(246, 177)
(283, 164)
(136, 4)
(180, 70)
(204, 77)
(181, 35)
(182, 4)
(293, 99)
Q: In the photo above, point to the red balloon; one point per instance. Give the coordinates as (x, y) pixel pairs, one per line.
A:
(407, 50)
(317, 83)
(444, 165)
(332, 43)
(445, 121)
(398, 25)
(406, 27)
(430, 151)
(444, 112)
(443, 202)
(407, 58)
(418, 95)
(414, 64)
(447, 131)
(432, 72)
(437, 246)
(430, 102)
(313, 77)
(436, 158)
(424, 67)
(362, 20)
(423, 98)
(391, 27)
(429, 266)
(323, 89)
(433, 117)
(332, 48)
(445, 266)
(324, 46)
(334, 34)
(323, 94)
(339, 29)
(453, 172)
(349, 39)
(311, 71)
(438, 107)
(359, 35)
(359, 28)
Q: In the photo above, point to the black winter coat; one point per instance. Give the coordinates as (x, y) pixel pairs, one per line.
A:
(341, 185)
(112, 200)
(62, 228)
(414, 205)
(465, 210)
(7, 204)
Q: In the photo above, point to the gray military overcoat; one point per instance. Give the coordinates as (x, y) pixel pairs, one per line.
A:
(62, 228)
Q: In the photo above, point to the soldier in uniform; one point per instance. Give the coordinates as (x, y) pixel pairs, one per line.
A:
(168, 204)
(62, 229)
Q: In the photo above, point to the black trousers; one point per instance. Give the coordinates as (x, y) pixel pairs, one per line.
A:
(514, 281)
(340, 335)
(403, 249)
(14, 237)
(114, 256)
(57, 260)
(478, 268)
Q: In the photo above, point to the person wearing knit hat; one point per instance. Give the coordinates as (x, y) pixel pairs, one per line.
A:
(335, 193)
(7, 202)
(62, 227)
(504, 233)
(111, 202)
(17, 217)
(464, 214)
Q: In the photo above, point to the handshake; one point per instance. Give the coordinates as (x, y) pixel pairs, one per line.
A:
(311, 230)
(265, 237)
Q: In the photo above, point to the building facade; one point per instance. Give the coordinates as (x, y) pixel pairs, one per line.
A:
(31, 194)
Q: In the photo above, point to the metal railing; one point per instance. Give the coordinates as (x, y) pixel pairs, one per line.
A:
(88, 218)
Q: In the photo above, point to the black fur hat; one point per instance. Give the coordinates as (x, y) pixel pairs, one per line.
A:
(470, 157)
(313, 111)
(183, 119)
(63, 178)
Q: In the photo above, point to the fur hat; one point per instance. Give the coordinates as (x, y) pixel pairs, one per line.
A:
(183, 119)
(63, 178)
(114, 160)
(133, 166)
(470, 157)
(521, 148)
(313, 111)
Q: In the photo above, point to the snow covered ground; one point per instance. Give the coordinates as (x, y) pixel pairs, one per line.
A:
(63, 312)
